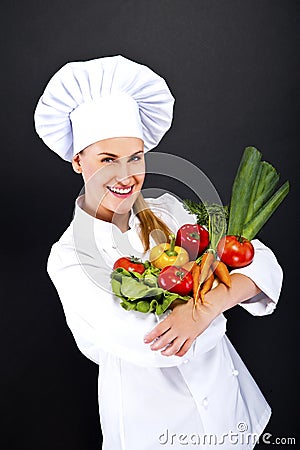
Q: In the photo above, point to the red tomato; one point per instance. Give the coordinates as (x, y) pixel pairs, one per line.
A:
(193, 238)
(131, 264)
(175, 279)
(235, 251)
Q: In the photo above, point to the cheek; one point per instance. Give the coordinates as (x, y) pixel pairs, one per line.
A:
(88, 170)
(140, 174)
(140, 178)
(98, 176)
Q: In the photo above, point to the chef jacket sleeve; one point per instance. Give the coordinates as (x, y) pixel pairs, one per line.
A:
(267, 275)
(95, 318)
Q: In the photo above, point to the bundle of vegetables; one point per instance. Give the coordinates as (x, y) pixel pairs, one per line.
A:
(170, 276)
(201, 253)
(253, 201)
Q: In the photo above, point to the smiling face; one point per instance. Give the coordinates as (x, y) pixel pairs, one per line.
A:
(113, 171)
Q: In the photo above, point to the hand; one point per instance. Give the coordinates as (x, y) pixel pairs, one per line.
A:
(175, 334)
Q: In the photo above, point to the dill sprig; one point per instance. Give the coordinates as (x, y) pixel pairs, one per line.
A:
(203, 210)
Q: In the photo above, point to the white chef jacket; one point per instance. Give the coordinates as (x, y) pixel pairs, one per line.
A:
(147, 401)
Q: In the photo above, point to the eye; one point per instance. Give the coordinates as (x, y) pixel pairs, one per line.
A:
(107, 160)
(135, 158)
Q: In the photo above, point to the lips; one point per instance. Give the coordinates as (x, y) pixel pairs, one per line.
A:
(120, 192)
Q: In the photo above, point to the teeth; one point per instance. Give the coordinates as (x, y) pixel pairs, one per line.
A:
(121, 191)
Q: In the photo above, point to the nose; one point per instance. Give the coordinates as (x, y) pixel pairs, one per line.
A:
(123, 176)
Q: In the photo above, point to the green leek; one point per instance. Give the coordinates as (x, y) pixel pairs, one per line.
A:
(253, 199)
(253, 226)
(242, 188)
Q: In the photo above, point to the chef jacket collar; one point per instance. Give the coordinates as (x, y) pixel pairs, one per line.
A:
(102, 225)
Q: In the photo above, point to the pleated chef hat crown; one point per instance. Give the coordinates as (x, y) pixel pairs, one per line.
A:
(87, 101)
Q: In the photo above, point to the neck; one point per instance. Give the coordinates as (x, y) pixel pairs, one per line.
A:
(120, 220)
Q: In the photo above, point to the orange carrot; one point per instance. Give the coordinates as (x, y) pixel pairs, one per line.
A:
(196, 278)
(203, 289)
(206, 287)
(221, 271)
(206, 262)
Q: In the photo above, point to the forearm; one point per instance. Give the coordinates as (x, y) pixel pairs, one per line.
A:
(221, 298)
(175, 334)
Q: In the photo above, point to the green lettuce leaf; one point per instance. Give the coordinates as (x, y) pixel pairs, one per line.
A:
(141, 292)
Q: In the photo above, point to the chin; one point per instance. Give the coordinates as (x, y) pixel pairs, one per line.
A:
(123, 207)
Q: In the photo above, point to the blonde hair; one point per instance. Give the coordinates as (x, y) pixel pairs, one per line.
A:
(150, 224)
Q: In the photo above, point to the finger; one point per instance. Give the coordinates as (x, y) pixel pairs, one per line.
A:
(173, 348)
(185, 348)
(164, 340)
(160, 329)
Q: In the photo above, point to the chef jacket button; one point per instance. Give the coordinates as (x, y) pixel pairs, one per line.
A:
(205, 402)
(185, 361)
(113, 246)
(235, 372)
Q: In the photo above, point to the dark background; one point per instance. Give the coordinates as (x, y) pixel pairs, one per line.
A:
(233, 68)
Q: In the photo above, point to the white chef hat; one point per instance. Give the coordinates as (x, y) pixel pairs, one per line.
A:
(87, 101)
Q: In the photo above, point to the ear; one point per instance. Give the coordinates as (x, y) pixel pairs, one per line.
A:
(76, 163)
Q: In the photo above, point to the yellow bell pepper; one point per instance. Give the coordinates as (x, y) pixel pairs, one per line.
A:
(168, 254)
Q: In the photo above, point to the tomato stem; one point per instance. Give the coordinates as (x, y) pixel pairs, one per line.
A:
(135, 259)
(194, 235)
(180, 274)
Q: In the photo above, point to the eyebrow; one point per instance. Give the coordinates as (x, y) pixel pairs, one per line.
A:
(112, 154)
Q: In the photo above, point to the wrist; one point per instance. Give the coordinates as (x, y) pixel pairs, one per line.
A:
(215, 300)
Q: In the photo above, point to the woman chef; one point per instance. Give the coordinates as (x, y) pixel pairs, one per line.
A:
(174, 384)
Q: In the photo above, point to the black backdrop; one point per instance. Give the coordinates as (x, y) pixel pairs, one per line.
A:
(232, 67)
